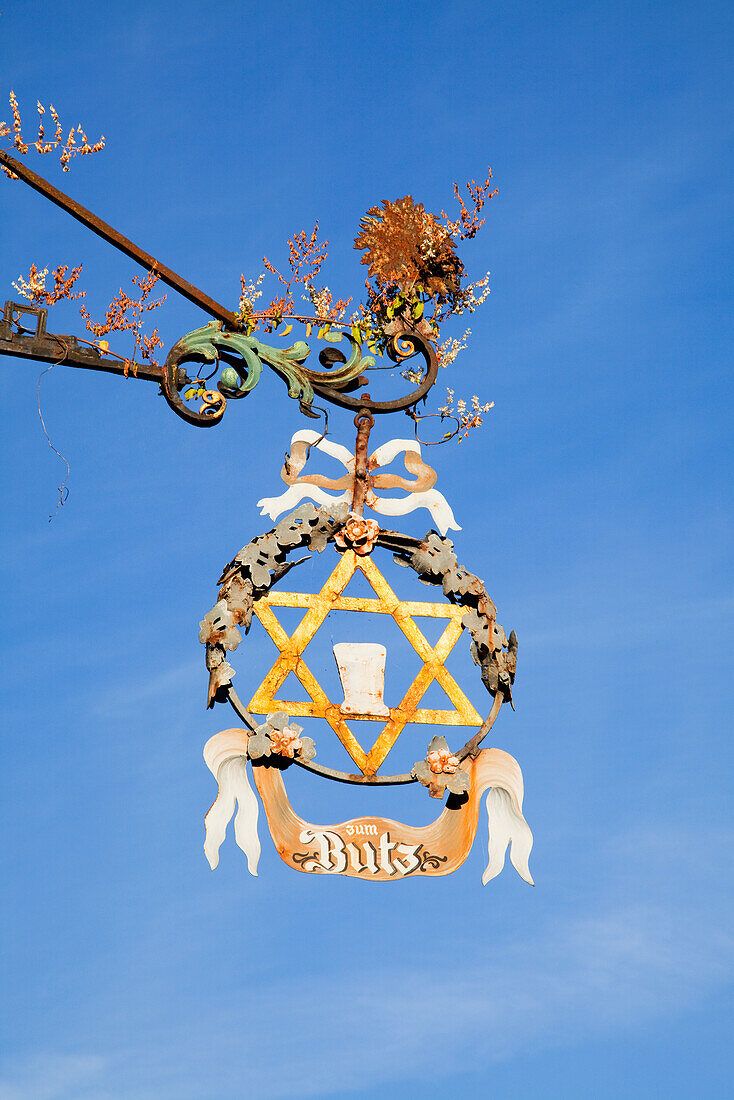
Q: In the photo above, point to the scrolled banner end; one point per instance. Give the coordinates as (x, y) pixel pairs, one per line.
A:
(226, 757)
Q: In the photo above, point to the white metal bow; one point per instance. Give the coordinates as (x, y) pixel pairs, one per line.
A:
(421, 491)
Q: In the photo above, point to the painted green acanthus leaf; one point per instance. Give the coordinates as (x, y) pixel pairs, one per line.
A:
(205, 341)
(287, 362)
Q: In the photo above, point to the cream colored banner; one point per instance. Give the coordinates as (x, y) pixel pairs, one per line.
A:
(375, 849)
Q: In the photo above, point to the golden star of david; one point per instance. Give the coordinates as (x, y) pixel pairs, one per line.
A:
(318, 606)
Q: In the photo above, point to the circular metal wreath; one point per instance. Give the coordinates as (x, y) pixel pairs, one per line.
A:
(263, 562)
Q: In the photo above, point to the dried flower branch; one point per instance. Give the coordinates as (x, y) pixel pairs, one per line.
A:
(324, 305)
(468, 417)
(34, 287)
(68, 148)
(449, 349)
(468, 224)
(126, 314)
(305, 258)
(123, 313)
(249, 293)
(415, 279)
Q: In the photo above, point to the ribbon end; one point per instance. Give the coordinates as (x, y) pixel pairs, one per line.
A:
(507, 826)
(234, 790)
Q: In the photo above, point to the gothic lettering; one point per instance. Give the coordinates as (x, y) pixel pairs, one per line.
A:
(331, 858)
(370, 857)
(333, 855)
(385, 849)
(360, 829)
(410, 862)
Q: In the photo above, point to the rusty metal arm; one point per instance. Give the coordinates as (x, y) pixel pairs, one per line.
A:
(205, 344)
(116, 239)
(24, 342)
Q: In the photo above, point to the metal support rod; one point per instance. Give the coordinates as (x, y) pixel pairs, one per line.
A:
(399, 347)
(36, 343)
(363, 422)
(107, 233)
(471, 748)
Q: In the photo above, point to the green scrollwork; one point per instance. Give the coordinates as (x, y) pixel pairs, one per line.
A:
(287, 362)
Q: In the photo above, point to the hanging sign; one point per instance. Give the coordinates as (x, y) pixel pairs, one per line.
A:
(270, 740)
(412, 261)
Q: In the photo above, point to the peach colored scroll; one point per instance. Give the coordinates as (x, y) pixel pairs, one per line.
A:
(380, 850)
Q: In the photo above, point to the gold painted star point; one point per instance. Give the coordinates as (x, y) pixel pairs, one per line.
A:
(331, 598)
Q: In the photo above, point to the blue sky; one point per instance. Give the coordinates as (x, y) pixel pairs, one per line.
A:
(595, 503)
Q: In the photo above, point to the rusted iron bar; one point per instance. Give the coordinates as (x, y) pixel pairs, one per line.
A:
(36, 343)
(400, 347)
(363, 422)
(471, 748)
(107, 233)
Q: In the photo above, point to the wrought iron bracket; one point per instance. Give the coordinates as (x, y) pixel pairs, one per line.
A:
(223, 339)
(23, 334)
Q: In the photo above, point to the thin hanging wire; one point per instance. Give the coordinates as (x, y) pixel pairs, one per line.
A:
(63, 489)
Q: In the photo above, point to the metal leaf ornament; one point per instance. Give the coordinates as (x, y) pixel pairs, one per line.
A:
(276, 737)
(217, 627)
(440, 770)
(405, 245)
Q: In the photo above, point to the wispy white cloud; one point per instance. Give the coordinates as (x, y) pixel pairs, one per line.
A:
(655, 946)
(126, 697)
(596, 975)
(585, 619)
(54, 1077)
